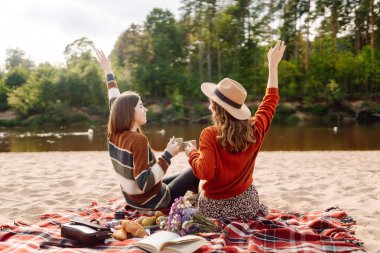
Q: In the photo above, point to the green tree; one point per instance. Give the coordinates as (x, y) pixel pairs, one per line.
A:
(349, 72)
(82, 84)
(288, 30)
(38, 94)
(132, 51)
(16, 58)
(79, 47)
(290, 76)
(3, 96)
(333, 91)
(322, 65)
(369, 74)
(364, 23)
(165, 69)
(16, 77)
(337, 16)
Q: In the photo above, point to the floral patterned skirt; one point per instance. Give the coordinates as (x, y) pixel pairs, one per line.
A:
(243, 206)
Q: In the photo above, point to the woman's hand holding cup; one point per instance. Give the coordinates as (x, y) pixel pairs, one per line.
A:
(189, 147)
(172, 147)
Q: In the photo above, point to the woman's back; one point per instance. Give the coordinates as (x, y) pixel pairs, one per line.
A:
(231, 173)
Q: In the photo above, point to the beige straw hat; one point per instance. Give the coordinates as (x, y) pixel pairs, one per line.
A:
(230, 95)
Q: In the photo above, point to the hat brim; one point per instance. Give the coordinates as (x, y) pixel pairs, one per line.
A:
(209, 90)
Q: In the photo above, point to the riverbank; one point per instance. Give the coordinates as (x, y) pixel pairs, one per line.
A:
(35, 183)
(161, 111)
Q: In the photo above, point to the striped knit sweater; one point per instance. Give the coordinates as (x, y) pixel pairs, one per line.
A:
(139, 172)
(227, 174)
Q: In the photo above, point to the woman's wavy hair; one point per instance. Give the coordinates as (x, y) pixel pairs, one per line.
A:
(122, 115)
(234, 135)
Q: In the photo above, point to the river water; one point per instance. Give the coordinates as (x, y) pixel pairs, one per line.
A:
(280, 137)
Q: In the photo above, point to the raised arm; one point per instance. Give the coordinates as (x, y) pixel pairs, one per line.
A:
(274, 57)
(265, 113)
(105, 64)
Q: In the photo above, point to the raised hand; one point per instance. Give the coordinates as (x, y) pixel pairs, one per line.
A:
(275, 54)
(274, 57)
(104, 62)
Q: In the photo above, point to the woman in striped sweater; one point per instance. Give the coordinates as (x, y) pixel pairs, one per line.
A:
(228, 149)
(139, 172)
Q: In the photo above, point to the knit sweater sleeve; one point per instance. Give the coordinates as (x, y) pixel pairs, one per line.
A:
(113, 90)
(265, 113)
(203, 160)
(145, 174)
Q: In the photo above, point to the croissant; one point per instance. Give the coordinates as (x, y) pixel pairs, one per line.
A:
(120, 235)
(158, 214)
(118, 227)
(133, 228)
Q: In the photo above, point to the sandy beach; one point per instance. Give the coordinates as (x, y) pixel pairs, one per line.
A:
(32, 184)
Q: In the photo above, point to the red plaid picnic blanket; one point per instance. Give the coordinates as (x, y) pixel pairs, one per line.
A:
(329, 231)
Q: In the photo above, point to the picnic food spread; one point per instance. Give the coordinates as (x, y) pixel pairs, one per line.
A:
(136, 228)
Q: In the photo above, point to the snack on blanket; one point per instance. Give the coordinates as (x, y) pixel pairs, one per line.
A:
(140, 219)
(158, 214)
(149, 221)
(133, 228)
(120, 235)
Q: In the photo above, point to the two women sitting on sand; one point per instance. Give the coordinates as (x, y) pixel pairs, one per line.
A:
(226, 155)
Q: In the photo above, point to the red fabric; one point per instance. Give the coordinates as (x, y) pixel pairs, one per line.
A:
(229, 174)
(278, 232)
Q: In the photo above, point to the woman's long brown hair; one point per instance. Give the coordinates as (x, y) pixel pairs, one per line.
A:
(122, 115)
(234, 135)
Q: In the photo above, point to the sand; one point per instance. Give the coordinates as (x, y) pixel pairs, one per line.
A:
(35, 183)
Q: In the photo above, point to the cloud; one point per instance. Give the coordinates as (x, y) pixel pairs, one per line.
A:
(43, 28)
(96, 16)
(74, 19)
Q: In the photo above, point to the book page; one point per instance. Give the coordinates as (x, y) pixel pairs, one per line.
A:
(185, 247)
(183, 239)
(156, 240)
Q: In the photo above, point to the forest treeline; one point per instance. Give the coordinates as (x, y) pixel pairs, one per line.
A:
(332, 55)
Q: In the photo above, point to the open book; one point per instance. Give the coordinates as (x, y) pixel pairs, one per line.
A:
(168, 242)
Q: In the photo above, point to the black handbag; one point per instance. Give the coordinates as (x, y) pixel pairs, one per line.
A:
(85, 232)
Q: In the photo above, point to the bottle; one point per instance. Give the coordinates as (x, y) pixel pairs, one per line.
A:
(119, 215)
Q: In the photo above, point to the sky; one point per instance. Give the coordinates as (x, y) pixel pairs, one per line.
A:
(43, 28)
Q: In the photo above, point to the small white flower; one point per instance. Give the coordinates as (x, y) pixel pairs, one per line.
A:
(186, 224)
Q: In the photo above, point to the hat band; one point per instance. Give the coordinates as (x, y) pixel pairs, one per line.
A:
(227, 100)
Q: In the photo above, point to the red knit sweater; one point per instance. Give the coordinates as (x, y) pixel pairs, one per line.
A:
(228, 174)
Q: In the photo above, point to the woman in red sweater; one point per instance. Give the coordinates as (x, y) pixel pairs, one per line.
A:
(228, 149)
